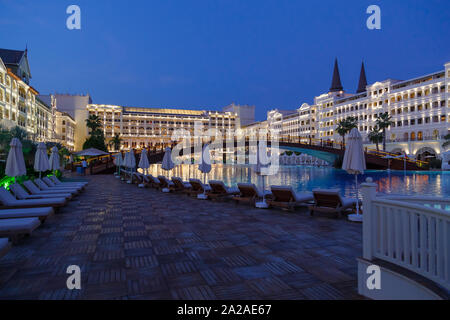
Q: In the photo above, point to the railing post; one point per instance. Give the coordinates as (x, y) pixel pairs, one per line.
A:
(369, 191)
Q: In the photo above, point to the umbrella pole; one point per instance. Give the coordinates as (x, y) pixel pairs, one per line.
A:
(263, 189)
(357, 195)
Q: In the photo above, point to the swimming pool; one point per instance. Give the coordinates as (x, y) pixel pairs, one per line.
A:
(306, 178)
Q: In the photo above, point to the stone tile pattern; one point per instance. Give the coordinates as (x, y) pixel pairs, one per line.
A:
(133, 243)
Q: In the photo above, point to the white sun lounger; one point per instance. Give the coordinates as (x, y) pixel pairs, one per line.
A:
(51, 184)
(15, 228)
(330, 200)
(43, 186)
(68, 183)
(34, 189)
(22, 194)
(5, 245)
(9, 202)
(41, 213)
(285, 197)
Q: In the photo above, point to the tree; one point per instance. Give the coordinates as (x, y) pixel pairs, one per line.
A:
(447, 141)
(376, 136)
(19, 133)
(341, 129)
(115, 142)
(345, 125)
(383, 122)
(97, 137)
(93, 123)
(96, 140)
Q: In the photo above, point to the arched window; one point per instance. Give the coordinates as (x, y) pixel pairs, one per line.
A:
(419, 135)
(413, 136)
(435, 134)
(405, 136)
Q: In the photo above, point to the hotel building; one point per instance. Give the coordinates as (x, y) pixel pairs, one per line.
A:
(420, 110)
(19, 105)
(150, 127)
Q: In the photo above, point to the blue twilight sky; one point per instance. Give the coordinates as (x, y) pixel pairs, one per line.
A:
(208, 53)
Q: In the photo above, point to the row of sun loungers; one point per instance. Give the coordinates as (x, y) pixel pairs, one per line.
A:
(326, 201)
(23, 209)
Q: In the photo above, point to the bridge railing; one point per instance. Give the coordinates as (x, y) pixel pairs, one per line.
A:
(411, 232)
(340, 145)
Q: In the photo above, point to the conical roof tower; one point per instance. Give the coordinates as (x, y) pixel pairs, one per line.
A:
(336, 85)
(362, 84)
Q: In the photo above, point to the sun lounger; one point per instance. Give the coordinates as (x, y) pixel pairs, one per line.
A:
(137, 178)
(41, 213)
(16, 228)
(330, 201)
(165, 183)
(197, 187)
(43, 186)
(180, 186)
(220, 191)
(22, 194)
(249, 193)
(9, 202)
(5, 245)
(68, 183)
(51, 184)
(150, 181)
(286, 198)
(34, 189)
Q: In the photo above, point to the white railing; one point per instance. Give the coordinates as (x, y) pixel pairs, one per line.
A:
(427, 201)
(409, 232)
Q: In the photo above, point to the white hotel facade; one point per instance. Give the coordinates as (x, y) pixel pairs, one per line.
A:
(150, 127)
(420, 110)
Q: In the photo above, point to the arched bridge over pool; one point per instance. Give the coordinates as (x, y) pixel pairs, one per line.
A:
(321, 149)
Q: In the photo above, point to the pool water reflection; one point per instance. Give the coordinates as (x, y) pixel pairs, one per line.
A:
(305, 178)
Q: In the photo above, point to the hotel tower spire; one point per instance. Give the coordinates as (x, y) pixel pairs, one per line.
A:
(362, 84)
(336, 85)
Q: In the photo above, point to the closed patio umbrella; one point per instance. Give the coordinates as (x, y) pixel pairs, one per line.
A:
(118, 162)
(354, 163)
(125, 163)
(41, 163)
(54, 161)
(205, 168)
(143, 163)
(15, 163)
(167, 163)
(131, 164)
(261, 170)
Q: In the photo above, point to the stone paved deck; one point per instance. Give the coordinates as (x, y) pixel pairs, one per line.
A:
(136, 243)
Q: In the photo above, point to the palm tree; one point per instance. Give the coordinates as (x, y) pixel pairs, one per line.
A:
(376, 136)
(447, 141)
(344, 127)
(93, 122)
(115, 142)
(383, 122)
(19, 133)
(341, 129)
